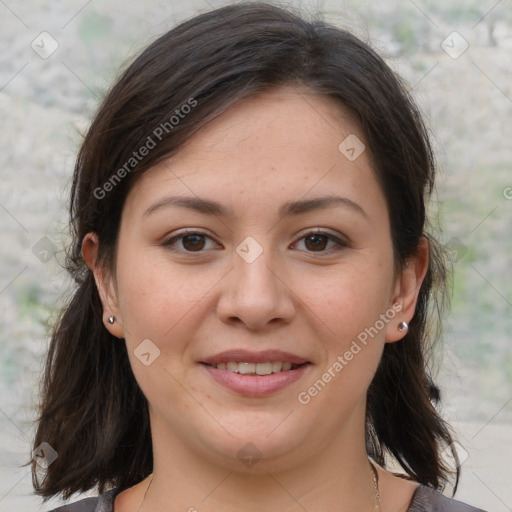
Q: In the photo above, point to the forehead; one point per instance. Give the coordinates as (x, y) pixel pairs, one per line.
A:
(283, 118)
(281, 143)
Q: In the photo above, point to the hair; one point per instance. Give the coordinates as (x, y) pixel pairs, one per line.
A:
(92, 411)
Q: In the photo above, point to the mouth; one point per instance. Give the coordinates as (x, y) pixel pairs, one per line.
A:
(266, 368)
(255, 374)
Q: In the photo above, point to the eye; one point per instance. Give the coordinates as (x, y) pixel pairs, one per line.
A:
(318, 240)
(190, 241)
(196, 241)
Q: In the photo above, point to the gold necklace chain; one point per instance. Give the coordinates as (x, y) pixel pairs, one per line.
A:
(145, 492)
(375, 479)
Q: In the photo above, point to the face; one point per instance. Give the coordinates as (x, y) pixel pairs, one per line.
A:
(229, 252)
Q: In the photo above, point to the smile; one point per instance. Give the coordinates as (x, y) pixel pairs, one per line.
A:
(265, 368)
(255, 379)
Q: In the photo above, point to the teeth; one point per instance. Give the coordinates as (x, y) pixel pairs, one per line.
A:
(231, 366)
(256, 368)
(264, 368)
(245, 368)
(277, 367)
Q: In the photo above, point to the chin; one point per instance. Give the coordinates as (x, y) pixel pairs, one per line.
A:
(258, 447)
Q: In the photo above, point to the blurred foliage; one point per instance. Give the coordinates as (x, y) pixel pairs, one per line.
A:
(95, 28)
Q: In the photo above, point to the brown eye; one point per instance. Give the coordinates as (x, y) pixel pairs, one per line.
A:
(193, 242)
(190, 242)
(321, 242)
(316, 242)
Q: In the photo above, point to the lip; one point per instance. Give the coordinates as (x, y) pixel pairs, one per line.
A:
(256, 385)
(246, 356)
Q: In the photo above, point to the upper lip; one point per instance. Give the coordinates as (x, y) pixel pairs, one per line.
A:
(246, 356)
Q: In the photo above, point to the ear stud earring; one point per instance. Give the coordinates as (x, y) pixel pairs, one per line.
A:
(402, 326)
(111, 319)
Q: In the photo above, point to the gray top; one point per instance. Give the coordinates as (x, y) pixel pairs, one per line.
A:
(424, 499)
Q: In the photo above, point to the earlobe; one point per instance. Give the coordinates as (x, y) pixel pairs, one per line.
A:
(104, 285)
(407, 289)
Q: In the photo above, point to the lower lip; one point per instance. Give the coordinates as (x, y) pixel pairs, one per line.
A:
(255, 385)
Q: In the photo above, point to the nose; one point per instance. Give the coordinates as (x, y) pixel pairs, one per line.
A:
(255, 295)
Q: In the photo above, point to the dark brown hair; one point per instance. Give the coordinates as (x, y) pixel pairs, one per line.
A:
(93, 412)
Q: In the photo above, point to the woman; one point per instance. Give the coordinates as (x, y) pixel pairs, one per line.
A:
(255, 283)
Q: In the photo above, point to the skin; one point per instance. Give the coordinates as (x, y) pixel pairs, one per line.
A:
(279, 146)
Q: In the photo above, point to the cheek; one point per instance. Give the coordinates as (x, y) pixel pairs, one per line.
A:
(346, 312)
(348, 298)
(162, 300)
(158, 302)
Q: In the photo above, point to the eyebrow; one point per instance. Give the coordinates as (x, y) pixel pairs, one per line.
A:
(207, 206)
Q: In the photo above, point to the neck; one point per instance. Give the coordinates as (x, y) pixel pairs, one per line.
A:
(337, 476)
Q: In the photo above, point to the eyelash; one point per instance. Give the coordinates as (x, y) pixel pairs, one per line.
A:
(341, 244)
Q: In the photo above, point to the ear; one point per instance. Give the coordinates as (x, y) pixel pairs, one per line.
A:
(407, 288)
(104, 284)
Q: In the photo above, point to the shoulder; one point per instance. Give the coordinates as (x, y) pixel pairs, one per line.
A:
(102, 503)
(426, 499)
